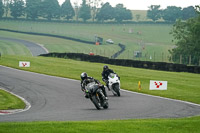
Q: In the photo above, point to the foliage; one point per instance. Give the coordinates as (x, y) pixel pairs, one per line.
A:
(85, 12)
(186, 34)
(50, 9)
(6, 7)
(67, 10)
(137, 17)
(171, 13)
(33, 8)
(188, 13)
(94, 7)
(106, 12)
(1, 9)
(17, 8)
(121, 13)
(154, 13)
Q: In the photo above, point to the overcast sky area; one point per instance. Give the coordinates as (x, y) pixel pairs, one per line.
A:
(144, 4)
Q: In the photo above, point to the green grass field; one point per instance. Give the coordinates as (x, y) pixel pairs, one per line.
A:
(12, 48)
(148, 38)
(54, 45)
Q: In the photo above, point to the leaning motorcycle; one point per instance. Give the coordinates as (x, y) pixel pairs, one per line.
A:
(96, 95)
(114, 83)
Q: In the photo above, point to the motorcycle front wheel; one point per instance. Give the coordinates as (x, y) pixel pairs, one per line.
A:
(116, 89)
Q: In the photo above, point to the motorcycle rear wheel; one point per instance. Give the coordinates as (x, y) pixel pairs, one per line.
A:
(96, 102)
(105, 106)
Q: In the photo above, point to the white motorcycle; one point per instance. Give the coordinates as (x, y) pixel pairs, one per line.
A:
(114, 83)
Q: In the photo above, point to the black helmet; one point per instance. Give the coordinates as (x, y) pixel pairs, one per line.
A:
(105, 67)
(84, 75)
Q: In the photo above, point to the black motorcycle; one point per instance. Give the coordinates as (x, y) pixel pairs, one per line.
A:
(96, 95)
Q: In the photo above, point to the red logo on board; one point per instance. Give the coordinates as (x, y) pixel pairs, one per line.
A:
(158, 84)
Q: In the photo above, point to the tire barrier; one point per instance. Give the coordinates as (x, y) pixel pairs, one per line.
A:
(163, 66)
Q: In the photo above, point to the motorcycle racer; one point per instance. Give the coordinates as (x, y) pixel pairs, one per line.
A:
(85, 79)
(105, 73)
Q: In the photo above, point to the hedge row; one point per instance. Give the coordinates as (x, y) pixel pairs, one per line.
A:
(130, 63)
(87, 22)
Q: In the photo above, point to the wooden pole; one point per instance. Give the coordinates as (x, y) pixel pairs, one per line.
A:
(181, 59)
(190, 58)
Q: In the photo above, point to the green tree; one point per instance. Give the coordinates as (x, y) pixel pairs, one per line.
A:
(105, 13)
(33, 8)
(121, 13)
(85, 12)
(17, 8)
(6, 7)
(94, 4)
(154, 12)
(171, 13)
(187, 39)
(1, 9)
(137, 17)
(67, 10)
(188, 12)
(50, 9)
(76, 9)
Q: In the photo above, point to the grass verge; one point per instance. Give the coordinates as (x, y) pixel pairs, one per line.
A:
(9, 101)
(184, 125)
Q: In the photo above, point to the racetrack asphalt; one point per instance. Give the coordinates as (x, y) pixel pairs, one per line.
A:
(60, 99)
(34, 48)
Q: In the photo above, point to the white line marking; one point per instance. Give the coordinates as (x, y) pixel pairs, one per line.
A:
(41, 45)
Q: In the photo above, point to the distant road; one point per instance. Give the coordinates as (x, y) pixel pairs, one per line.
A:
(61, 99)
(34, 48)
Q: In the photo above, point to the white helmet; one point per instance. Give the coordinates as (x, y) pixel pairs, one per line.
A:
(84, 75)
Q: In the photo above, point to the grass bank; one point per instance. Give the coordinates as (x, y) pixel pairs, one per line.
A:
(13, 48)
(53, 45)
(148, 38)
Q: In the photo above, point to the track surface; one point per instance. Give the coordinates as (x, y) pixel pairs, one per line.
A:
(34, 48)
(59, 99)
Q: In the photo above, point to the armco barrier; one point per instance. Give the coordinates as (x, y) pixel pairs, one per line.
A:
(130, 63)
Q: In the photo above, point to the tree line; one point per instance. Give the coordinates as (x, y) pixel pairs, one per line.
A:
(171, 13)
(50, 9)
(186, 36)
(89, 9)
